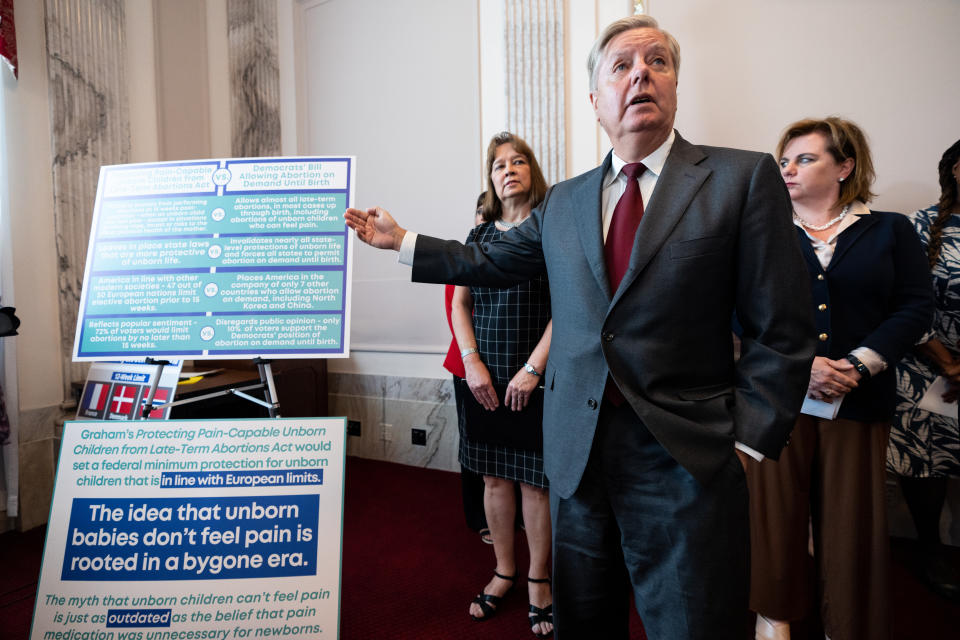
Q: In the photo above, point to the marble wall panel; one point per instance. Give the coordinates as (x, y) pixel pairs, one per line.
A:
(12, 504)
(254, 77)
(38, 450)
(37, 473)
(40, 424)
(404, 404)
(90, 121)
(535, 80)
(368, 412)
(398, 387)
(439, 421)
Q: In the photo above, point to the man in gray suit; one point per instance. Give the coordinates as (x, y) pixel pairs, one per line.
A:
(645, 406)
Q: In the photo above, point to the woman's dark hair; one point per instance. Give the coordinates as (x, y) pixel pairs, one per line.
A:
(492, 207)
(948, 200)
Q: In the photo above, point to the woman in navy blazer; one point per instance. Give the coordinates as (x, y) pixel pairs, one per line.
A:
(825, 497)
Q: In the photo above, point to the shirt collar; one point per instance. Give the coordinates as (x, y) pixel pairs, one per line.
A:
(653, 162)
(857, 208)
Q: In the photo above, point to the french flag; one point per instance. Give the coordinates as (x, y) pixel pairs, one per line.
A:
(95, 399)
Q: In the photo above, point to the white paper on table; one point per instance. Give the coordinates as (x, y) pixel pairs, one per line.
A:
(821, 409)
(932, 399)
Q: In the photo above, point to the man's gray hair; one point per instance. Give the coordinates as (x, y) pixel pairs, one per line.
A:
(626, 24)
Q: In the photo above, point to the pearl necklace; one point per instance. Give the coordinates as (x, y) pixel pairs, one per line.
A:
(510, 225)
(822, 227)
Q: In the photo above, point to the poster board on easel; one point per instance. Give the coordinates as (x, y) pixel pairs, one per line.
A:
(226, 259)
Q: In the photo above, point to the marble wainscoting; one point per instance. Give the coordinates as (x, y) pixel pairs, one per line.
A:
(403, 404)
(254, 77)
(40, 434)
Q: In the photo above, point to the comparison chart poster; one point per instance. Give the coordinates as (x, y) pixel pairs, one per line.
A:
(175, 530)
(229, 258)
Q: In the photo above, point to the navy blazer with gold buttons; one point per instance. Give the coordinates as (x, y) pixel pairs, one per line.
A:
(875, 293)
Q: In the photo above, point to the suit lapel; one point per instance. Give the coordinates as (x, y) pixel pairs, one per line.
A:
(808, 253)
(587, 215)
(849, 236)
(678, 183)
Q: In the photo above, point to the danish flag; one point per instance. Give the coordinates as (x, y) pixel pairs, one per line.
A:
(124, 399)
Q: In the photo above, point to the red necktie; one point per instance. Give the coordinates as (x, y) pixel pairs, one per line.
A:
(623, 226)
(619, 244)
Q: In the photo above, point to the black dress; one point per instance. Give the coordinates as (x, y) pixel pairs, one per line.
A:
(508, 324)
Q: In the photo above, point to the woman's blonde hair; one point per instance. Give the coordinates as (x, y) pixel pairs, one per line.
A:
(844, 140)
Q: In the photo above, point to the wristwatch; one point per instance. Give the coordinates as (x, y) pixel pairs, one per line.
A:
(465, 352)
(859, 366)
(529, 369)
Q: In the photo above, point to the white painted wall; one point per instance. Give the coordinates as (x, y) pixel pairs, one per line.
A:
(751, 67)
(396, 84)
(30, 178)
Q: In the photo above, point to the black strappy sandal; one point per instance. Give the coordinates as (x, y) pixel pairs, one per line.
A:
(490, 603)
(538, 615)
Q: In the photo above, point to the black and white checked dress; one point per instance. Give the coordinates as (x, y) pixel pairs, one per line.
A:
(508, 324)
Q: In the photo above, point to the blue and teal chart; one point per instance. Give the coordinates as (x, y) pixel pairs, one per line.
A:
(228, 258)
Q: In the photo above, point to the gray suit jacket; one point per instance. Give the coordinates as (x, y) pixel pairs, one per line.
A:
(716, 238)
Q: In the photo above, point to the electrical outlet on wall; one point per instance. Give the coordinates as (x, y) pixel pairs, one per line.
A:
(386, 431)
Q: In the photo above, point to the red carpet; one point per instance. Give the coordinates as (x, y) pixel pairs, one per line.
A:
(411, 567)
(20, 557)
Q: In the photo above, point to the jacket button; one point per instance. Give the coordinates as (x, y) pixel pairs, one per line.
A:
(820, 276)
(592, 403)
(823, 337)
(822, 307)
(607, 336)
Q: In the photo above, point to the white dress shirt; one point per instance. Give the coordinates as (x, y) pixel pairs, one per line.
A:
(615, 182)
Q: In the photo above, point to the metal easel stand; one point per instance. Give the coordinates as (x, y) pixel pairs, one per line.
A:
(266, 384)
